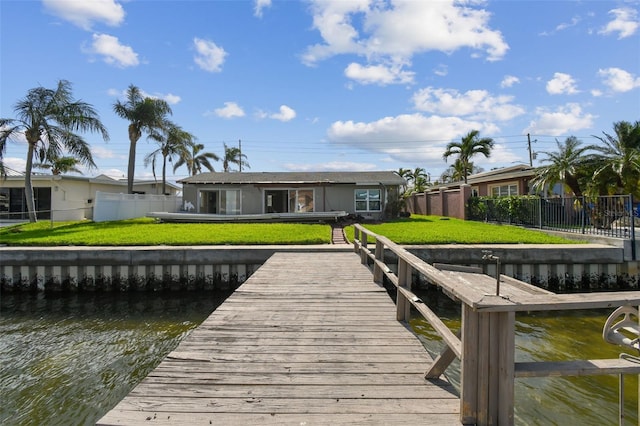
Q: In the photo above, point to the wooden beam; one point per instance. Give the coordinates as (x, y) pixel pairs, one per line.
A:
(589, 367)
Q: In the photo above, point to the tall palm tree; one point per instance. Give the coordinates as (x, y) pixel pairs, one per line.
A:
(233, 155)
(48, 119)
(470, 145)
(60, 165)
(173, 141)
(144, 114)
(195, 160)
(619, 158)
(566, 166)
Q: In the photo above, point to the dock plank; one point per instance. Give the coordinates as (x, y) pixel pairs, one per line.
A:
(307, 339)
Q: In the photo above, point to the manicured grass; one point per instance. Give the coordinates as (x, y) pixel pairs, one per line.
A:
(146, 231)
(437, 230)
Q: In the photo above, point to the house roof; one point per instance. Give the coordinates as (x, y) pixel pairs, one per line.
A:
(505, 173)
(270, 178)
(103, 179)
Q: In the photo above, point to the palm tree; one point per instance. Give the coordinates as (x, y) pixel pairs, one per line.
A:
(455, 172)
(144, 114)
(470, 145)
(173, 141)
(196, 160)
(60, 165)
(619, 158)
(419, 179)
(566, 166)
(233, 155)
(405, 174)
(48, 119)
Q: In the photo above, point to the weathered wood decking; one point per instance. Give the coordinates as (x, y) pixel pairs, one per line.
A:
(308, 339)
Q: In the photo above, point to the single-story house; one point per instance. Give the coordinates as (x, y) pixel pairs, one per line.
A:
(501, 182)
(366, 194)
(69, 197)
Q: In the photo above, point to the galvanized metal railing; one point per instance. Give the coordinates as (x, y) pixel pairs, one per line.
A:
(610, 216)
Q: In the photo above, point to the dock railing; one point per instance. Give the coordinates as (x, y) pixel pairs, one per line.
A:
(485, 344)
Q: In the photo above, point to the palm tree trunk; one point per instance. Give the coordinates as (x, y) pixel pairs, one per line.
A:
(134, 135)
(164, 173)
(28, 186)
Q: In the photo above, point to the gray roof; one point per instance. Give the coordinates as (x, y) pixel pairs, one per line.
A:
(265, 178)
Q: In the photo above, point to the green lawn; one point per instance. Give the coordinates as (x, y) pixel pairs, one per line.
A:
(146, 231)
(437, 230)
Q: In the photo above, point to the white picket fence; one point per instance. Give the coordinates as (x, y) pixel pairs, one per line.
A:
(110, 206)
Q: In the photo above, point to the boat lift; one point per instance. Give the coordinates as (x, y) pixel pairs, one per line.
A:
(623, 328)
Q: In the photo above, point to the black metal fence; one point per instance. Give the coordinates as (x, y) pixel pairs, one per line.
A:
(612, 216)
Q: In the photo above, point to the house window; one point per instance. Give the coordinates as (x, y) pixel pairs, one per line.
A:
(223, 201)
(504, 190)
(368, 200)
(301, 200)
(288, 200)
(13, 204)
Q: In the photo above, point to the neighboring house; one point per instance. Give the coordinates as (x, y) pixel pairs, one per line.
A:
(366, 194)
(505, 181)
(69, 197)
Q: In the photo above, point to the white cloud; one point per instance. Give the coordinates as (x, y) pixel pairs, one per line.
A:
(103, 153)
(170, 98)
(407, 137)
(84, 13)
(336, 166)
(209, 57)
(476, 104)
(509, 81)
(561, 83)
(286, 114)
(441, 70)
(395, 31)
(260, 5)
(619, 80)
(565, 119)
(565, 25)
(378, 74)
(14, 166)
(230, 110)
(625, 22)
(112, 52)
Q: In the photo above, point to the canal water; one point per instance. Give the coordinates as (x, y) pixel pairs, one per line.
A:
(67, 360)
(550, 336)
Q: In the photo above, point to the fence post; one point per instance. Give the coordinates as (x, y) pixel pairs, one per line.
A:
(540, 212)
(633, 230)
(403, 307)
(378, 273)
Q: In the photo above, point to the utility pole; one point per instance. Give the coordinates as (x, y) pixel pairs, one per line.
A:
(530, 152)
(240, 157)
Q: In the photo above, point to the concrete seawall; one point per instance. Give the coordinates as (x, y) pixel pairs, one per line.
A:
(134, 268)
(209, 267)
(559, 265)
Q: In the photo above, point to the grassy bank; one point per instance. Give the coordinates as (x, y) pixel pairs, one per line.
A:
(147, 232)
(438, 230)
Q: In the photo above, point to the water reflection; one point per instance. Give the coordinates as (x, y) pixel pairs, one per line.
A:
(68, 359)
(550, 336)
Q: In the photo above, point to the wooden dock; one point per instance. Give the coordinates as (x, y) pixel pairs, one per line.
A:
(307, 339)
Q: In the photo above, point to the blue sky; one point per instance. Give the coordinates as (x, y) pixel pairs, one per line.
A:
(333, 85)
